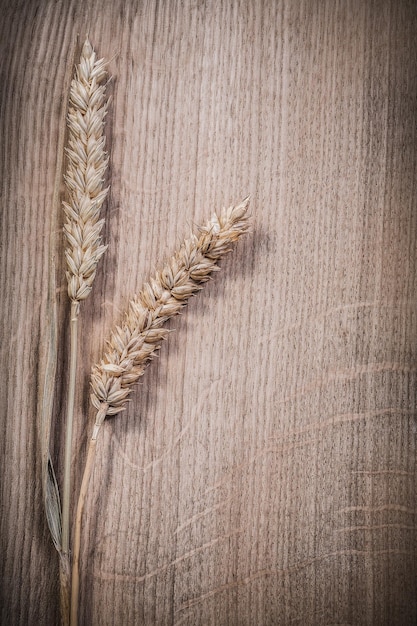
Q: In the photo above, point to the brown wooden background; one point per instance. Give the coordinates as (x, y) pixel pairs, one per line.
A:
(265, 472)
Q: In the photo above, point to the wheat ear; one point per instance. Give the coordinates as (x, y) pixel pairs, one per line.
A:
(87, 162)
(134, 343)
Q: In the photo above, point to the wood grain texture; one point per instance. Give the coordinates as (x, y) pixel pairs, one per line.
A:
(265, 472)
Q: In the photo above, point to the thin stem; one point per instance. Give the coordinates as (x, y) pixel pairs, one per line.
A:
(75, 580)
(66, 492)
(64, 583)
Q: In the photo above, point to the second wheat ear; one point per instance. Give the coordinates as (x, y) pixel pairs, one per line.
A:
(133, 344)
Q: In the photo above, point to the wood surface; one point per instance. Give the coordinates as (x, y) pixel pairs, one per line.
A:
(265, 471)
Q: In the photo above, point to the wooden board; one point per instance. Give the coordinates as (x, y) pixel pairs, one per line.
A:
(265, 471)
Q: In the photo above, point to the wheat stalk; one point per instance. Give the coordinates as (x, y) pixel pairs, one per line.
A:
(134, 343)
(87, 162)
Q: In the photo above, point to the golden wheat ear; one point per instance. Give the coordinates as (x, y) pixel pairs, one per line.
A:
(134, 343)
(87, 163)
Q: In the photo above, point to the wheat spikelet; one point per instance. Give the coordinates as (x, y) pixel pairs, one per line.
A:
(134, 343)
(87, 162)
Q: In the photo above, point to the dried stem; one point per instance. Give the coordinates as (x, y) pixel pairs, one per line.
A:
(64, 587)
(69, 427)
(75, 583)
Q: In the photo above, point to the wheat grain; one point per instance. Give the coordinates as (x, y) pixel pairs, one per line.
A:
(87, 162)
(134, 343)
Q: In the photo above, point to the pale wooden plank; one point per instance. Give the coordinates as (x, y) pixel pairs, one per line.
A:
(265, 471)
